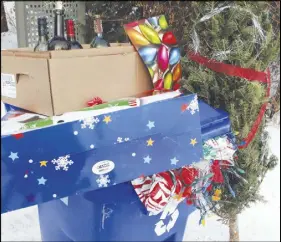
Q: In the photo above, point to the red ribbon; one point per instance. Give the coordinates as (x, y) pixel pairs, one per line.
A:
(249, 74)
(94, 101)
(230, 70)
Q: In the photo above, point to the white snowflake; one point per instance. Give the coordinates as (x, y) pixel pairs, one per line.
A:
(103, 180)
(89, 122)
(120, 139)
(193, 106)
(62, 162)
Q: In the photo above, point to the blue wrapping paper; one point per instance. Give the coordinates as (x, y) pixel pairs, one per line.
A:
(97, 215)
(57, 161)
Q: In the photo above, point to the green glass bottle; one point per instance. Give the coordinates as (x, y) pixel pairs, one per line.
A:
(42, 44)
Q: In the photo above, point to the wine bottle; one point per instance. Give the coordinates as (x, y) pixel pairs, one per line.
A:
(98, 41)
(58, 42)
(70, 33)
(42, 44)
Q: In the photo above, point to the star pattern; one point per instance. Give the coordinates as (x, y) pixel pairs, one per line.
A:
(47, 182)
(174, 161)
(151, 124)
(193, 141)
(147, 159)
(41, 181)
(43, 163)
(150, 142)
(107, 119)
(14, 156)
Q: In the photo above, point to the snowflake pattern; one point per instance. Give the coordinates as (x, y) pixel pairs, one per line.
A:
(62, 162)
(89, 122)
(193, 106)
(103, 180)
(120, 139)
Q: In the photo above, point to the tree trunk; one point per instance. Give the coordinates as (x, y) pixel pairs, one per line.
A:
(233, 229)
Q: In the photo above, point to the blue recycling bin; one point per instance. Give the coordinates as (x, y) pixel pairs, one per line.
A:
(77, 205)
(111, 214)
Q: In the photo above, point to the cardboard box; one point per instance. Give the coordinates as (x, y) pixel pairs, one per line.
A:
(55, 82)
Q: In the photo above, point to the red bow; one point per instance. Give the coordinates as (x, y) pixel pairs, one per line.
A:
(95, 101)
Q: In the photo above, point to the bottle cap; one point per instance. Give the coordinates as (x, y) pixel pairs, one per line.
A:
(98, 24)
(42, 21)
(70, 27)
(59, 5)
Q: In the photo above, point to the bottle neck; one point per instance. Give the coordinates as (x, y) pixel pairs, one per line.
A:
(42, 33)
(70, 30)
(59, 23)
(98, 27)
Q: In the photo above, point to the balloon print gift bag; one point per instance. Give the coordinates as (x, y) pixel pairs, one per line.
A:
(159, 50)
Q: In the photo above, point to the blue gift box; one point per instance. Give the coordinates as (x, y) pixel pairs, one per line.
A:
(102, 151)
(104, 215)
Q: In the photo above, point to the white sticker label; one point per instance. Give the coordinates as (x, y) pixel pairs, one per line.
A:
(103, 167)
(8, 85)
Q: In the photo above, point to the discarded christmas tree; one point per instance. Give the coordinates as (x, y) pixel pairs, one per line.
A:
(240, 34)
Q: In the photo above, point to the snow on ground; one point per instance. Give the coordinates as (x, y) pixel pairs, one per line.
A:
(261, 222)
(9, 39)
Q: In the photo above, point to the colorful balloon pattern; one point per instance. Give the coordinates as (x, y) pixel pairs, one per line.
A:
(163, 58)
(148, 54)
(174, 55)
(158, 48)
(137, 38)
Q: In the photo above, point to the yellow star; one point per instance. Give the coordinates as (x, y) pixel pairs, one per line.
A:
(217, 192)
(193, 142)
(216, 198)
(107, 119)
(43, 163)
(150, 142)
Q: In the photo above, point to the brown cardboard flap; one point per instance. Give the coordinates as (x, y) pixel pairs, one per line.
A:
(33, 85)
(114, 49)
(25, 52)
(87, 46)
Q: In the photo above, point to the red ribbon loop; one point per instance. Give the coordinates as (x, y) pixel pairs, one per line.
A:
(246, 73)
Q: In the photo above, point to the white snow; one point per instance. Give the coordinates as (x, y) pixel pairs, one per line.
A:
(261, 222)
(9, 39)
